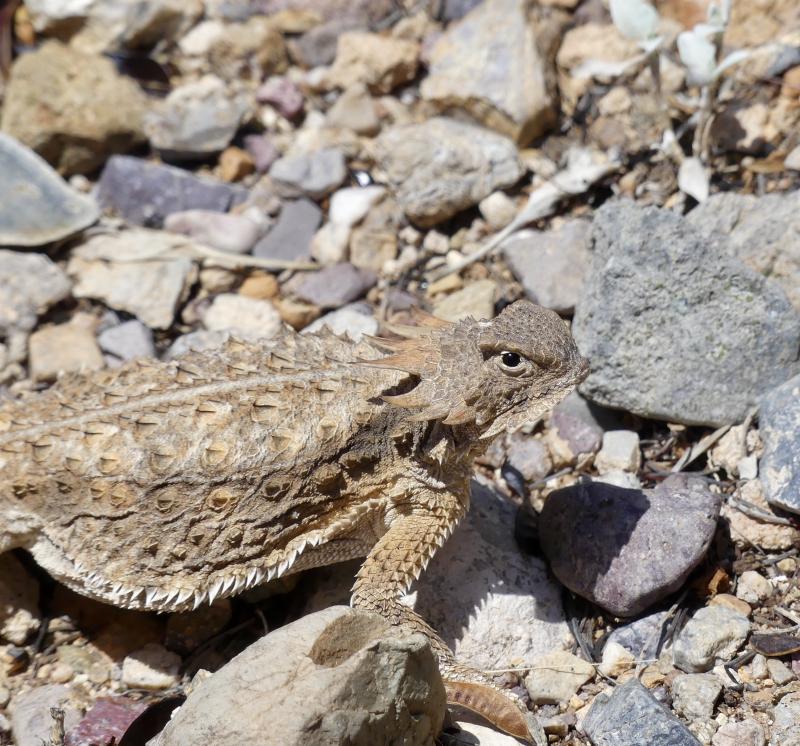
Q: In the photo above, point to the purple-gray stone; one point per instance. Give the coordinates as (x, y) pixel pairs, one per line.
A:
(145, 193)
(779, 426)
(626, 549)
(632, 716)
(290, 238)
(335, 285)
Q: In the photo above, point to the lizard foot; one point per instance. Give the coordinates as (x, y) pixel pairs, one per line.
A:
(501, 708)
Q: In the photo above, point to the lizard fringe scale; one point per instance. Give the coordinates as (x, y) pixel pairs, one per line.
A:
(166, 485)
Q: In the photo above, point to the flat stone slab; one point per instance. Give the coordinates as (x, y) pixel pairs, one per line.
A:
(626, 549)
(37, 205)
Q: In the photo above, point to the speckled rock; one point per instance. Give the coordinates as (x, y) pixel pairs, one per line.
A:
(30, 713)
(660, 344)
(786, 723)
(625, 549)
(764, 232)
(779, 426)
(713, 635)
(551, 265)
(72, 108)
(338, 676)
(631, 716)
(442, 166)
(144, 193)
(494, 42)
(694, 695)
(555, 677)
(38, 207)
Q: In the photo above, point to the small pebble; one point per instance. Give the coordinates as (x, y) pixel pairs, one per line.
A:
(555, 677)
(753, 588)
(619, 452)
(151, 667)
(712, 636)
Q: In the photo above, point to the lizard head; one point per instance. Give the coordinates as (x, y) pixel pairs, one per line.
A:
(494, 374)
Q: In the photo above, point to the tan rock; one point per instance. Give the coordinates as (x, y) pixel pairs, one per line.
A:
(235, 164)
(66, 348)
(494, 42)
(379, 62)
(556, 677)
(73, 109)
(746, 530)
(476, 300)
(260, 285)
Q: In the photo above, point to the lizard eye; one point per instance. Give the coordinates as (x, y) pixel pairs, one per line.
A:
(512, 363)
(510, 359)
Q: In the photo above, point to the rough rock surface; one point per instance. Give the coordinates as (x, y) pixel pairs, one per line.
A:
(712, 636)
(555, 677)
(492, 604)
(338, 676)
(249, 318)
(764, 232)
(30, 714)
(695, 694)
(133, 272)
(145, 193)
(742, 733)
(73, 109)
(625, 549)
(442, 166)
(494, 42)
(551, 265)
(779, 426)
(786, 726)
(37, 206)
(649, 307)
(63, 348)
(631, 716)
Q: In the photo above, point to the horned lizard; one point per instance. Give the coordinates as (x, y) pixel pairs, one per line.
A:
(165, 485)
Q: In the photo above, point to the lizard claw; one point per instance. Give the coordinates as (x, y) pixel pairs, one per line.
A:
(503, 709)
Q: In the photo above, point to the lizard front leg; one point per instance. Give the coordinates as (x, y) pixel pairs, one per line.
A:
(394, 562)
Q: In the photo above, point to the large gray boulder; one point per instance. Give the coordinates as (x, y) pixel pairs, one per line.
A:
(674, 327)
(339, 676)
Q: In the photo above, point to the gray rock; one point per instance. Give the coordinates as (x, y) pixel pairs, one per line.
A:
(136, 271)
(764, 232)
(786, 721)
(317, 47)
(354, 320)
(338, 676)
(29, 285)
(779, 426)
(236, 234)
(712, 636)
(127, 341)
(145, 193)
(528, 456)
(19, 601)
(290, 238)
(73, 109)
(551, 265)
(334, 286)
(556, 677)
(313, 174)
(574, 429)
(38, 207)
(30, 713)
(641, 637)
(468, 61)
(626, 549)
(675, 328)
(632, 716)
(196, 120)
(441, 166)
(694, 695)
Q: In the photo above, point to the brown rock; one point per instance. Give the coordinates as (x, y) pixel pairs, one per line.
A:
(235, 164)
(73, 109)
(66, 348)
(379, 62)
